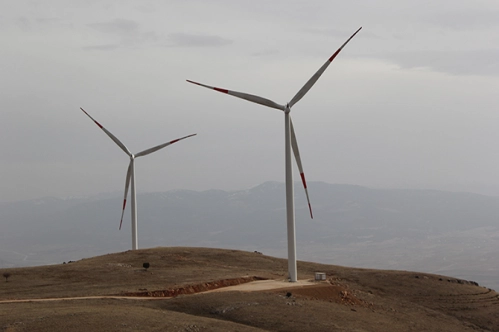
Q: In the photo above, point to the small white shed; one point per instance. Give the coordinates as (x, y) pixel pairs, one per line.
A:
(319, 276)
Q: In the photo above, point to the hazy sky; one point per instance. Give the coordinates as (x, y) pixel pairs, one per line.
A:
(412, 101)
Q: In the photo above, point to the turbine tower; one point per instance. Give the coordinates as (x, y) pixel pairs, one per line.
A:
(130, 176)
(290, 144)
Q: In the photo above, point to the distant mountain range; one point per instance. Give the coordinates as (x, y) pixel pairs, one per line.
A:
(432, 231)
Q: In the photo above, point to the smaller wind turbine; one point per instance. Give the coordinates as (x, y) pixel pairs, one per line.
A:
(130, 175)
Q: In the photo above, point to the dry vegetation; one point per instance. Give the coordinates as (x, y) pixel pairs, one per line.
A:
(351, 299)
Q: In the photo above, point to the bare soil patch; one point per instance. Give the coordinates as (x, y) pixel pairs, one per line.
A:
(197, 288)
(329, 292)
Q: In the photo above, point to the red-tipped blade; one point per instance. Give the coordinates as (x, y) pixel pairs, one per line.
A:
(156, 148)
(245, 96)
(108, 133)
(127, 184)
(303, 91)
(296, 152)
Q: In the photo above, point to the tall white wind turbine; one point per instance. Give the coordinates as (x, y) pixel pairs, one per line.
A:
(290, 144)
(130, 176)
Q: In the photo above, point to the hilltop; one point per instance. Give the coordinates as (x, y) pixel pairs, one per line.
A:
(351, 299)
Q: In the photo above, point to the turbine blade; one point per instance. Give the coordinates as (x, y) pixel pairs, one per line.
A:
(114, 138)
(245, 96)
(318, 74)
(296, 152)
(127, 184)
(156, 148)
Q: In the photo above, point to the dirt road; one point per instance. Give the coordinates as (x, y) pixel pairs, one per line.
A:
(253, 286)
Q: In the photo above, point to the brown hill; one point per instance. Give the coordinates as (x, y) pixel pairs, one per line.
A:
(117, 291)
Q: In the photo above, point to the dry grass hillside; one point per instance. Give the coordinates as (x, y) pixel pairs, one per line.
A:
(115, 293)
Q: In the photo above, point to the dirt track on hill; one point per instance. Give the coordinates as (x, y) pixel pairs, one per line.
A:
(252, 286)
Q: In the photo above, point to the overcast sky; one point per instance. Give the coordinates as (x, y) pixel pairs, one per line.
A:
(411, 102)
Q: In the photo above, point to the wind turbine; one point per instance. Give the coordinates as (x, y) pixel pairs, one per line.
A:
(130, 175)
(290, 144)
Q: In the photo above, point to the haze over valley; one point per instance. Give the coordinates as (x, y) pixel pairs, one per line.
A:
(447, 233)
